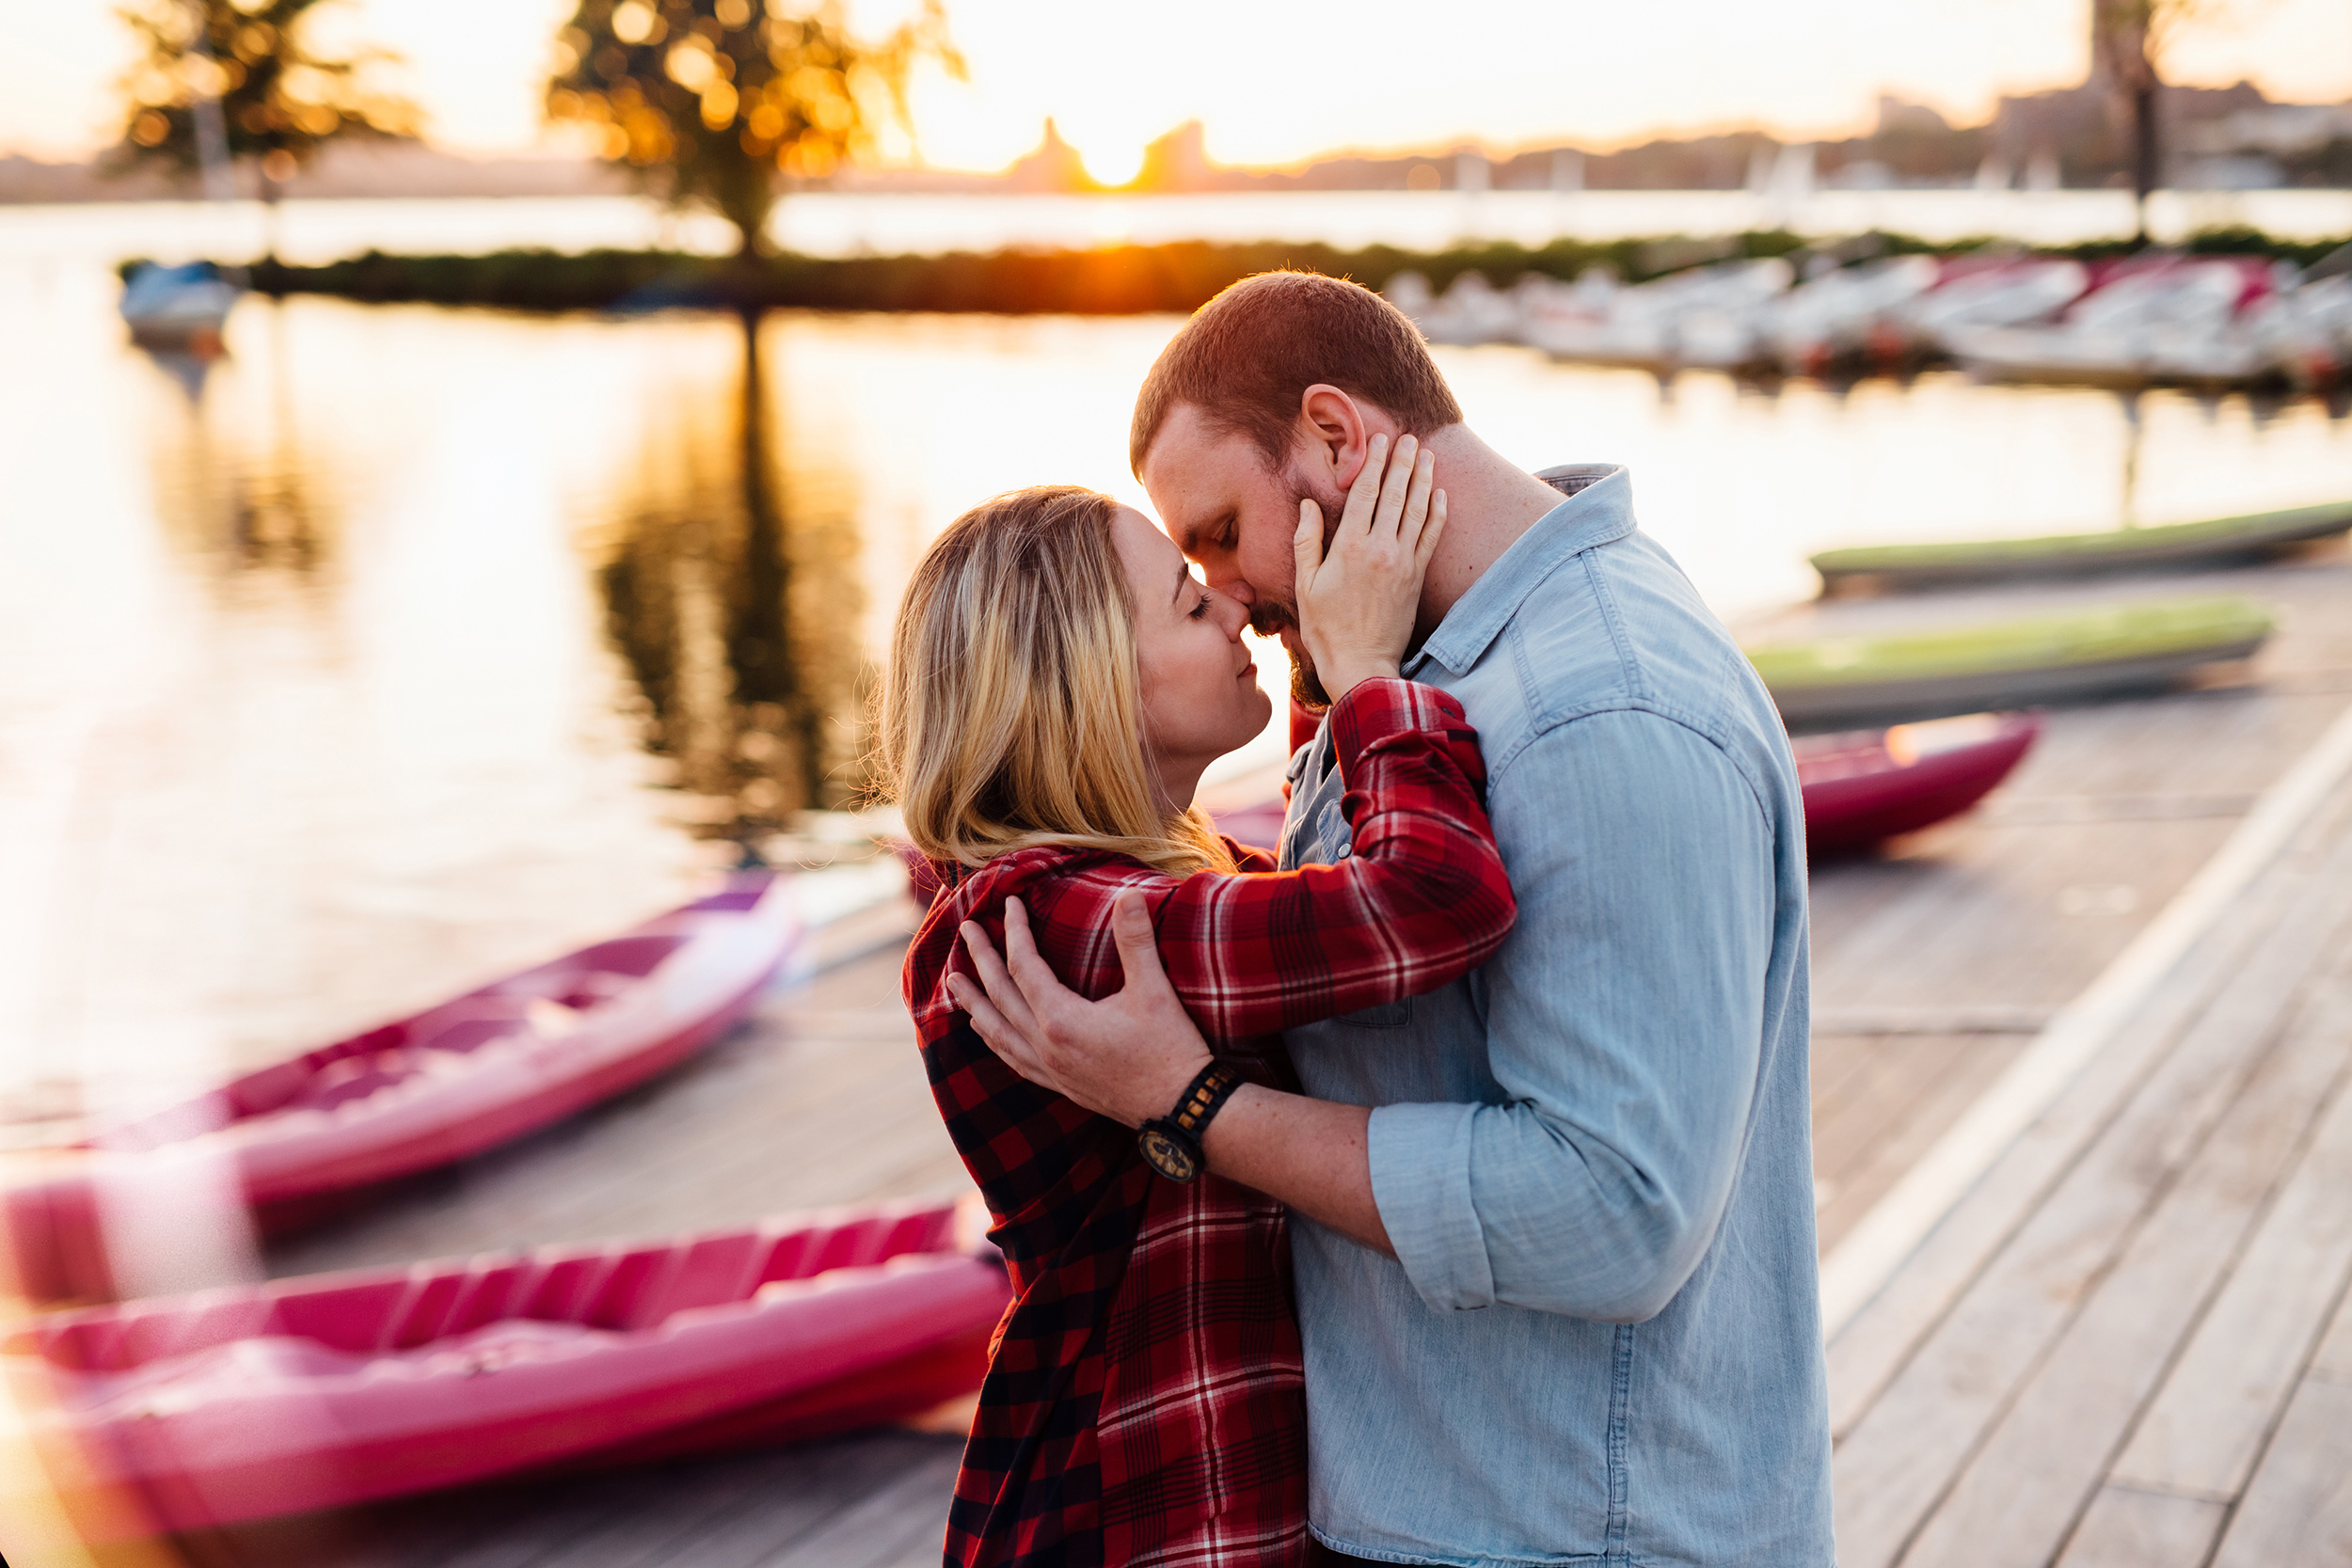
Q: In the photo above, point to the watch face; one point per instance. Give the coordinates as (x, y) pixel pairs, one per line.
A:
(1166, 1155)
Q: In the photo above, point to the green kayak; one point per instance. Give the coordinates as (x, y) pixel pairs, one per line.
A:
(2217, 542)
(2062, 657)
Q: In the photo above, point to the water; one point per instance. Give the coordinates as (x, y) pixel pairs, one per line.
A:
(825, 223)
(404, 645)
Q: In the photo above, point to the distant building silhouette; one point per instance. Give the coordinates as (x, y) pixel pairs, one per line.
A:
(1053, 168)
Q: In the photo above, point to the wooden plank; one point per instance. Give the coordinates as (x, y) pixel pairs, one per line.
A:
(791, 1492)
(1991, 1017)
(2334, 1360)
(2143, 807)
(1900, 1453)
(685, 1500)
(1862, 1181)
(1837, 1065)
(2041, 1460)
(2028, 924)
(2203, 1430)
(1848, 1125)
(2174, 1048)
(2125, 1529)
(2298, 1513)
(558, 1523)
(881, 1527)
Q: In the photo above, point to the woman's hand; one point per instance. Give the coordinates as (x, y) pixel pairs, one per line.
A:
(1357, 603)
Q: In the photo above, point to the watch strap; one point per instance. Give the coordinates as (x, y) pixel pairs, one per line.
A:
(1210, 1089)
(1170, 1145)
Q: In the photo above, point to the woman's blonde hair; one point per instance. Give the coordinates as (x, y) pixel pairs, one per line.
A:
(1013, 710)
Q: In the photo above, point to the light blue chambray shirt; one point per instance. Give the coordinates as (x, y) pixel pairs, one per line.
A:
(1600, 1341)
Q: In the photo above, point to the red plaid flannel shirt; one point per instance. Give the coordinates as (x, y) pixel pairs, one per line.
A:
(1145, 1400)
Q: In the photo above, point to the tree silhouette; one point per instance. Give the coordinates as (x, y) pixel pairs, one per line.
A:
(279, 101)
(709, 101)
(2127, 39)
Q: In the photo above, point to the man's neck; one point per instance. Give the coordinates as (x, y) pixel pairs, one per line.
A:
(1491, 501)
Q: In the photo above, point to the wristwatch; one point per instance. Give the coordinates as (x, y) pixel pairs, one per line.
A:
(1172, 1144)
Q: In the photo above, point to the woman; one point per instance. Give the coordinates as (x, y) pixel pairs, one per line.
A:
(1058, 681)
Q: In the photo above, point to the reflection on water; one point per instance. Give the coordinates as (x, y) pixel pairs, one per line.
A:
(724, 588)
(402, 646)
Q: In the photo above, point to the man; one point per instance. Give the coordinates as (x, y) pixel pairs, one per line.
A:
(1557, 1287)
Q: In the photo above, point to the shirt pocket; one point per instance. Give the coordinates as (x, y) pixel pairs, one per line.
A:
(1333, 842)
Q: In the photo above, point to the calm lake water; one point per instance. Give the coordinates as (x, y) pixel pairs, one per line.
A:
(401, 645)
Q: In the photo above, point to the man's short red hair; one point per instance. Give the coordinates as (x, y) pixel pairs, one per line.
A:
(1247, 357)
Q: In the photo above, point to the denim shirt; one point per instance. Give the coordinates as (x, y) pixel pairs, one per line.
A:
(1599, 1340)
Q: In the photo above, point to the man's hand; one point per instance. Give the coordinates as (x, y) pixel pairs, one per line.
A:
(1129, 1056)
(1132, 1055)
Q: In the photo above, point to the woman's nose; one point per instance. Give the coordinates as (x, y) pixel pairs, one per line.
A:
(1232, 614)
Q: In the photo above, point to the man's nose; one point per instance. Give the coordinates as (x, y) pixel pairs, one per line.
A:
(1227, 579)
(1232, 614)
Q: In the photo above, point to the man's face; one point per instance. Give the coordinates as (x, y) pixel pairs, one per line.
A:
(1231, 511)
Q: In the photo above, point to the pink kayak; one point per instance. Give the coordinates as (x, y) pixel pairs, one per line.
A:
(181, 1412)
(305, 1136)
(1865, 787)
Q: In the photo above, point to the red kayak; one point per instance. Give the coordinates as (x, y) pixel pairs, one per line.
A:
(1865, 787)
(305, 1136)
(181, 1412)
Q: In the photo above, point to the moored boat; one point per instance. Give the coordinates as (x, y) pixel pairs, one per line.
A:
(2217, 542)
(186, 1413)
(2146, 319)
(2062, 657)
(304, 1136)
(1863, 788)
(178, 309)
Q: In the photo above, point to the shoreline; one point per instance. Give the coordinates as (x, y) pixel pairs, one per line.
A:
(1112, 279)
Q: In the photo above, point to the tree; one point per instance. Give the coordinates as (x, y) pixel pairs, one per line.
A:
(2127, 39)
(277, 100)
(709, 101)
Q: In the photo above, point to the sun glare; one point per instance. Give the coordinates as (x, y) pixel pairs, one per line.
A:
(1110, 163)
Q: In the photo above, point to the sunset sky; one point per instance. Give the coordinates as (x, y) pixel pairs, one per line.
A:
(1278, 82)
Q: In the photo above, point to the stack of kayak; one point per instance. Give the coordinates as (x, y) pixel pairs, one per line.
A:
(2066, 654)
(186, 1413)
(307, 1137)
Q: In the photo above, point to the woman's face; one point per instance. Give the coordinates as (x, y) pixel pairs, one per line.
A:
(1201, 692)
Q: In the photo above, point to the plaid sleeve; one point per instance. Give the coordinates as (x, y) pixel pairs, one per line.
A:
(1420, 899)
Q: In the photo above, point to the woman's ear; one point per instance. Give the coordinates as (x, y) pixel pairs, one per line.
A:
(1336, 426)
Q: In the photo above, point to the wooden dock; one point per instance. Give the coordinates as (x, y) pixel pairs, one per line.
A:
(2115, 1348)
(2109, 1349)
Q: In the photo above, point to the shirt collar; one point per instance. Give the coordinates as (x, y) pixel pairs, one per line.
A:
(1598, 512)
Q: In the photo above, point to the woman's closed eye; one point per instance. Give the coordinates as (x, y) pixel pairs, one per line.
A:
(1200, 608)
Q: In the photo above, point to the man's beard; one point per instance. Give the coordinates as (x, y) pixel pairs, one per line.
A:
(1270, 620)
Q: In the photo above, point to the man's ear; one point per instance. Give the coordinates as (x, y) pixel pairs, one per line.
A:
(1335, 423)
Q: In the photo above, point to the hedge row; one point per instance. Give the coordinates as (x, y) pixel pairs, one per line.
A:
(1111, 280)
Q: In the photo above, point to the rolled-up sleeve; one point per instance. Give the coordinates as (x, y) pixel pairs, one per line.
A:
(1624, 1020)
